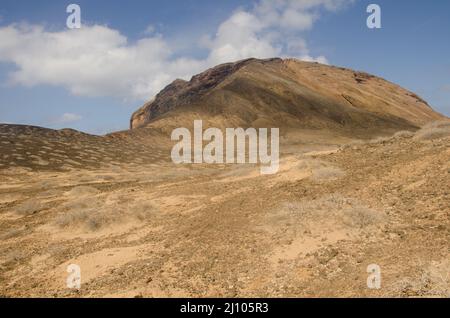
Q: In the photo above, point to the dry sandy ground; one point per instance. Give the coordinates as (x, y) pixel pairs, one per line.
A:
(157, 230)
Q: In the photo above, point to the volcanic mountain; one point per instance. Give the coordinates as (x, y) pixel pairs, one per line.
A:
(285, 93)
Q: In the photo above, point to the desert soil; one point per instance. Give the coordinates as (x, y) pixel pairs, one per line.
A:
(149, 228)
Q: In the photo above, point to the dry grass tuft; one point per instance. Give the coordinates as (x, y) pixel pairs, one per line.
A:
(432, 280)
(28, 207)
(320, 170)
(82, 191)
(11, 234)
(353, 144)
(327, 174)
(75, 217)
(404, 134)
(379, 140)
(436, 130)
(337, 210)
(96, 213)
(142, 211)
(361, 216)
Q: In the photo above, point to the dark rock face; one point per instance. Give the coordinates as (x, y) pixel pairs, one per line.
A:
(183, 92)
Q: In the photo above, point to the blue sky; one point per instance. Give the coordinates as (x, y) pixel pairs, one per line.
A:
(92, 79)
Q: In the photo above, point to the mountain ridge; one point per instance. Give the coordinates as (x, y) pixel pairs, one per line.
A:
(281, 92)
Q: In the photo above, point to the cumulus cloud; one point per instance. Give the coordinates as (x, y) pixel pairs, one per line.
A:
(270, 29)
(66, 118)
(99, 61)
(91, 61)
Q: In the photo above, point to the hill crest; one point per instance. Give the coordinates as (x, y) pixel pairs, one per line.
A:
(286, 92)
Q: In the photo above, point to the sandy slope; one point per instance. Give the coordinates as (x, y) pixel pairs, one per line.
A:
(144, 227)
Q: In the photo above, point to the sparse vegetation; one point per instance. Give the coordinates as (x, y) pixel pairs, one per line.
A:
(434, 130)
(327, 174)
(335, 208)
(28, 207)
(142, 211)
(353, 144)
(404, 134)
(321, 171)
(93, 214)
(379, 140)
(10, 234)
(12, 258)
(432, 280)
(82, 191)
(360, 216)
(72, 218)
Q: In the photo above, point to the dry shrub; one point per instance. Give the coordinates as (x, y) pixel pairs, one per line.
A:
(11, 234)
(353, 144)
(327, 174)
(379, 140)
(142, 211)
(95, 213)
(335, 209)
(90, 219)
(82, 191)
(320, 170)
(11, 259)
(404, 134)
(46, 184)
(28, 207)
(361, 217)
(432, 133)
(73, 218)
(438, 124)
(435, 130)
(398, 135)
(432, 280)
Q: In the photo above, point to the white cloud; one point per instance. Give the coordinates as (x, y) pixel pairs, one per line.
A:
(270, 29)
(239, 38)
(66, 118)
(99, 61)
(151, 29)
(92, 61)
